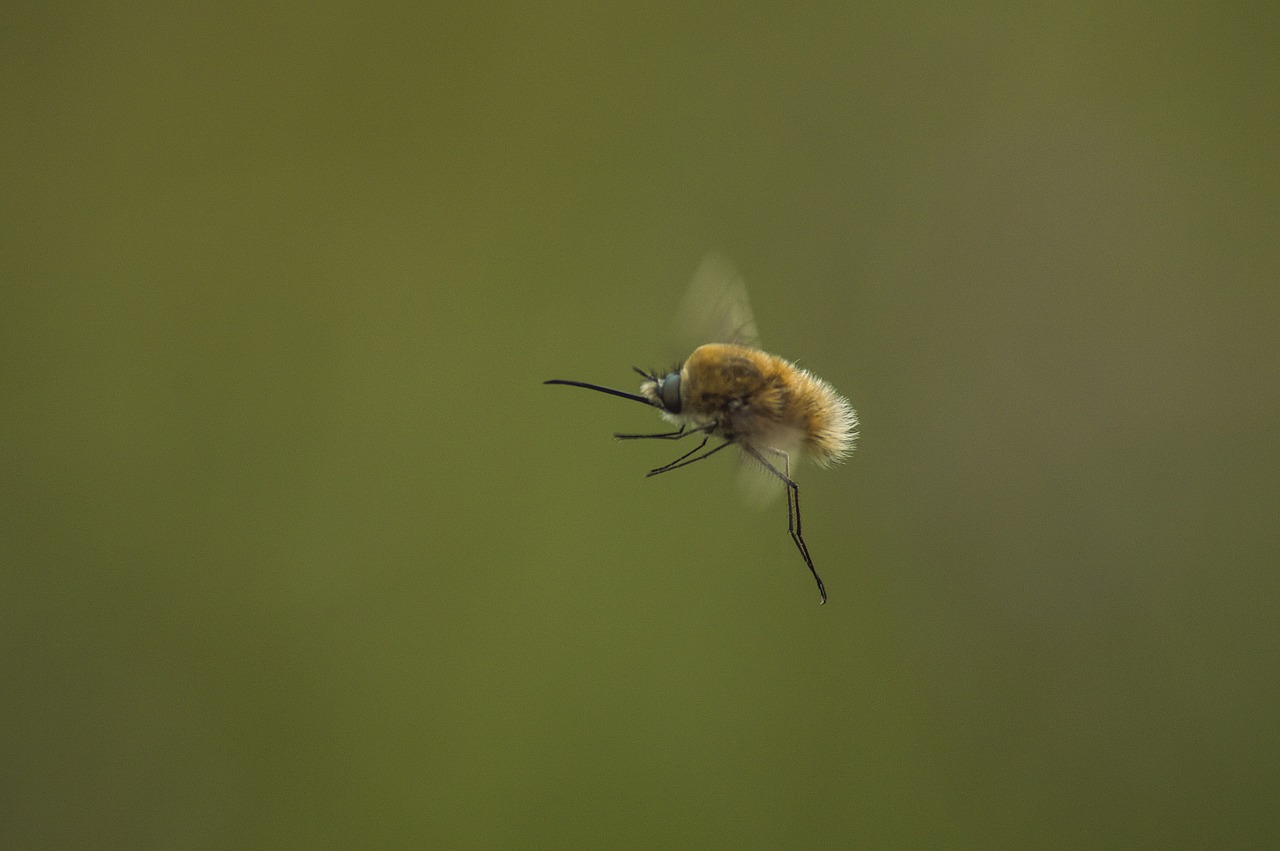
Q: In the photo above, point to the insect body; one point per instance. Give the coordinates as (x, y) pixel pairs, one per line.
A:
(767, 406)
(756, 399)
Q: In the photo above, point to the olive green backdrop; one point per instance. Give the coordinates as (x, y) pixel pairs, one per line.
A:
(299, 552)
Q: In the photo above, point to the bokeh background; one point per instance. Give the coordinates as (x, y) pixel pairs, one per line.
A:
(299, 552)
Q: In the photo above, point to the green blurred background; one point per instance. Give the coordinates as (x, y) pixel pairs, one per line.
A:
(299, 552)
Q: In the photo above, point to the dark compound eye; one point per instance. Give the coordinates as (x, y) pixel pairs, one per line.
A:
(669, 390)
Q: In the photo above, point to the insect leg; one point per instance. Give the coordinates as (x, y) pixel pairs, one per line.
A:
(665, 467)
(793, 509)
(670, 435)
(681, 462)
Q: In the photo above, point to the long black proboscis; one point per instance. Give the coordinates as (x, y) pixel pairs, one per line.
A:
(633, 397)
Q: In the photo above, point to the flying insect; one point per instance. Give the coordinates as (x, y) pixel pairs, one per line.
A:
(729, 388)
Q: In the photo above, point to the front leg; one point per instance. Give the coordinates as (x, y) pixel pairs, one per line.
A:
(670, 435)
(684, 431)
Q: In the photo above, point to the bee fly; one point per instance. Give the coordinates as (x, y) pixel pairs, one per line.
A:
(768, 407)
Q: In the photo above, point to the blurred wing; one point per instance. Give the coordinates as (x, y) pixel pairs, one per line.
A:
(759, 486)
(715, 309)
